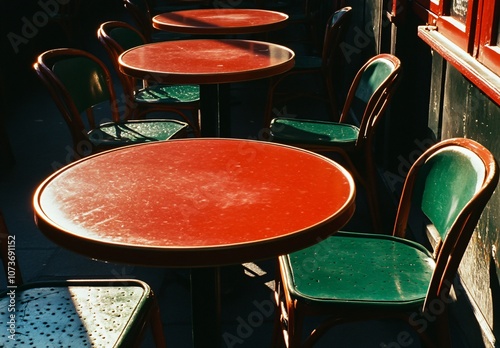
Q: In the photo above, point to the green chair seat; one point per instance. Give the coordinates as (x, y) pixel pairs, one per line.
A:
(135, 132)
(168, 94)
(86, 313)
(384, 270)
(288, 130)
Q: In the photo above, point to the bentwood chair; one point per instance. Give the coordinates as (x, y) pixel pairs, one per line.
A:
(80, 84)
(73, 313)
(359, 277)
(117, 37)
(324, 67)
(353, 136)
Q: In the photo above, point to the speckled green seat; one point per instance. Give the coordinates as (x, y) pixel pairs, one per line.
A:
(183, 100)
(81, 85)
(355, 276)
(351, 137)
(73, 313)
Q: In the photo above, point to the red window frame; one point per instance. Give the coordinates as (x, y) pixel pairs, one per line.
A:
(489, 48)
(479, 38)
(462, 34)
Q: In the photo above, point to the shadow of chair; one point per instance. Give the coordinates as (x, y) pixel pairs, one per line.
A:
(81, 86)
(117, 37)
(141, 13)
(312, 17)
(359, 277)
(74, 313)
(353, 136)
(67, 17)
(324, 67)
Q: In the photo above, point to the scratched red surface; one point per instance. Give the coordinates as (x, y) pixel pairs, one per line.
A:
(195, 192)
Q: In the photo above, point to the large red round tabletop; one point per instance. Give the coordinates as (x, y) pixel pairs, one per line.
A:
(220, 21)
(194, 202)
(206, 61)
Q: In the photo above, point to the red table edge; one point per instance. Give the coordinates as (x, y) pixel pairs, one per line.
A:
(209, 78)
(197, 257)
(186, 256)
(249, 29)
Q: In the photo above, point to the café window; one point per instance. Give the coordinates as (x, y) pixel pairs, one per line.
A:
(457, 22)
(474, 27)
(489, 38)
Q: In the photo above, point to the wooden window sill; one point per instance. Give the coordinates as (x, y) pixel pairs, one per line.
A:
(486, 80)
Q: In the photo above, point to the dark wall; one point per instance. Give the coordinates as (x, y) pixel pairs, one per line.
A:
(31, 27)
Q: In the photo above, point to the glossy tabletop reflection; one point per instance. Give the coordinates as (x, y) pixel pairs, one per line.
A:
(220, 21)
(206, 61)
(194, 202)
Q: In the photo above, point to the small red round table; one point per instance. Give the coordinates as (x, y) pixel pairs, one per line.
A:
(200, 203)
(210, 63)
(220, 21)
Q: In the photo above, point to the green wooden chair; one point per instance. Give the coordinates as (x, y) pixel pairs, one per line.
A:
(73, 313)
(79, 83)
(117, 37)
(357, 276)
(325, 67)
(353, 136)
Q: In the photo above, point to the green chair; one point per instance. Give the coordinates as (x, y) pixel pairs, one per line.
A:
(324, 67)
(353, 136)
(357, 276)
(73, 313)
(80, 84)
(117, 37)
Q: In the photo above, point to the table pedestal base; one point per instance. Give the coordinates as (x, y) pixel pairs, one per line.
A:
(215, 110)
(205, 302)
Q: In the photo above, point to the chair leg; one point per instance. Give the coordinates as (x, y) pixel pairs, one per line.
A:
(295, 326)
(277, 339)
(372, 194)
(332, 100)
(268, 112)
(156, 325)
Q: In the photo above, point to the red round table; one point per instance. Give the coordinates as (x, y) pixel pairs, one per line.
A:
(201, 203)
(210, 63)
(220, 21)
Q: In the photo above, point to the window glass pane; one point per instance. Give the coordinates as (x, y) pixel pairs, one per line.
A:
(458, 9)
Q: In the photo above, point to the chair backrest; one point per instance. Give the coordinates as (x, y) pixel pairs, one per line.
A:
(141, 13)
(449, 186)
(335, 33)
(77, 82)
(8, 255)
(117, 37)
(370, 94)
